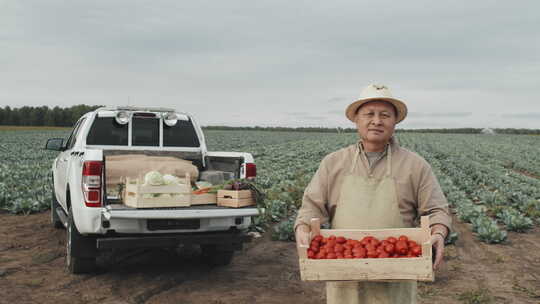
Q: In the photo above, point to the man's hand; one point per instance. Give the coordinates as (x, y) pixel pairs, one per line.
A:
(437, 241)
(302, 235)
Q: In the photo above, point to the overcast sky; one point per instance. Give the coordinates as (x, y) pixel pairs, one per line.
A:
(278, 63)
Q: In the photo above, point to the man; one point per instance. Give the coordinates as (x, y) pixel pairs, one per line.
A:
(374, 184)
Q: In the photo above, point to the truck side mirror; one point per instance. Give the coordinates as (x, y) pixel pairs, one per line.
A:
(56, 144)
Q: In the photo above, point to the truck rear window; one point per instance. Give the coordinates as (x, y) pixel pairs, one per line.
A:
(145, 131)
(105, 131)
(180, 135)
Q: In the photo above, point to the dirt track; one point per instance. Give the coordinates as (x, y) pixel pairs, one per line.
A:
(32, 271)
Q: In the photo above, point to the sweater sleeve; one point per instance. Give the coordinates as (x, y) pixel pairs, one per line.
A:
(315, 198)
(431, 199)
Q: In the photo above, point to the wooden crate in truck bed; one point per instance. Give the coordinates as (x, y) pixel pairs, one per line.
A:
(235, 199)
(370, 269)
(138, 195)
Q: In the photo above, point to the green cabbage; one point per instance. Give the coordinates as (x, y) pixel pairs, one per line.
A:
(153, 178)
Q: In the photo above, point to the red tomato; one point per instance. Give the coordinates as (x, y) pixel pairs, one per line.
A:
(374, 242)
(331, 243)
(338, 248)
(401, 247)
(384, 243)
(359, 253)
(318, 238)
(412, 244)
(321, 256)
(364, 241)
(348, 246)
(347, 252)
(372, 254)
(339, 255)
(416, 250)
(403, 238)
(331, 256)
(323, 251)
(347, 256)
(390, 248)
(383, 255)
(370, 247)
(395, 255)
(380, 249)
(391, 240)
(341, 240)
(332, 237)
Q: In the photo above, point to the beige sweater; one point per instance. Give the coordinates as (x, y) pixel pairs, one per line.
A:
(418, 190)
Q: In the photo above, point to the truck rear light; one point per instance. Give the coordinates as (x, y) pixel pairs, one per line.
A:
(92, 196)
(91, 183)
(251, 170)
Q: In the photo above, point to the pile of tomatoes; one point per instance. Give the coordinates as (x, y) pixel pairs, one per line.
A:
(369, 247)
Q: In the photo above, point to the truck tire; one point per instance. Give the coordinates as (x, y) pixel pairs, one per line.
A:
(74, 241)
(216, 257)
(55, 219)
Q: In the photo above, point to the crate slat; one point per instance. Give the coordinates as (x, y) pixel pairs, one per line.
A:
(204, 199)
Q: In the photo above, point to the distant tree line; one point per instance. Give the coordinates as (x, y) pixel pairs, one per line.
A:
(66, 117)
(353, 130)
(43, 116)
(472, 131)
(285, 129)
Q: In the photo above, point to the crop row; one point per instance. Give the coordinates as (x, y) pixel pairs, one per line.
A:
(490, 181)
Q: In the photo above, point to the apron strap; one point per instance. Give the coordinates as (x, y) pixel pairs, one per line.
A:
(389, 161)
(356, 157)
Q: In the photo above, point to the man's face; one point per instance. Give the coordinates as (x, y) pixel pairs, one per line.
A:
(376, 121)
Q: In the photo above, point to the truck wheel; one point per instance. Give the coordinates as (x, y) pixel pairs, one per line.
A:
(55, 219)
(216, 257)
(74, 241)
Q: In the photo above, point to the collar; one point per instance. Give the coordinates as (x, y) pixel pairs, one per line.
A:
(392, 142)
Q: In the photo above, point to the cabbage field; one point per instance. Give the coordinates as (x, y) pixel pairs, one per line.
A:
(491, 181)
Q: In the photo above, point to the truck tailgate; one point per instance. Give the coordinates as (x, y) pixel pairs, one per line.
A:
(121, 212)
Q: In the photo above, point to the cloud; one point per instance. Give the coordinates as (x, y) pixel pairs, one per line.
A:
(337, 99)
(449, 59)
(307, 116)
(439, 114)
(522, 115)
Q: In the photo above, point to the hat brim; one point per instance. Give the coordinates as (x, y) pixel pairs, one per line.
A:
(401, 108)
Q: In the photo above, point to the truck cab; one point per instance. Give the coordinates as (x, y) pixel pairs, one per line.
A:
(91, 209)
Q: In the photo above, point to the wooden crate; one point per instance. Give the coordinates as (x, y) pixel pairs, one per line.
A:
(370, 269)
(235, 199)
(135, 191)
(204, 199)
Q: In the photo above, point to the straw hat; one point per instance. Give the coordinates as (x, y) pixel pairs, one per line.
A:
(376, 92)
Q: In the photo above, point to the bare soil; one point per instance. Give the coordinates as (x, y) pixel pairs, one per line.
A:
(32, 271)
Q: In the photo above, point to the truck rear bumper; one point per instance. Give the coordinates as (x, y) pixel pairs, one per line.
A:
(231, 240)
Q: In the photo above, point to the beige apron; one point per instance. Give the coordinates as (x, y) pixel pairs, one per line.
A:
(369, 203)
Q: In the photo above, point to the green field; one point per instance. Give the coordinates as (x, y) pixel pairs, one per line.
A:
(491, 182)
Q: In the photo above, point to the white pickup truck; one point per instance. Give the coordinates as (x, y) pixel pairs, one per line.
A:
(96, 220)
